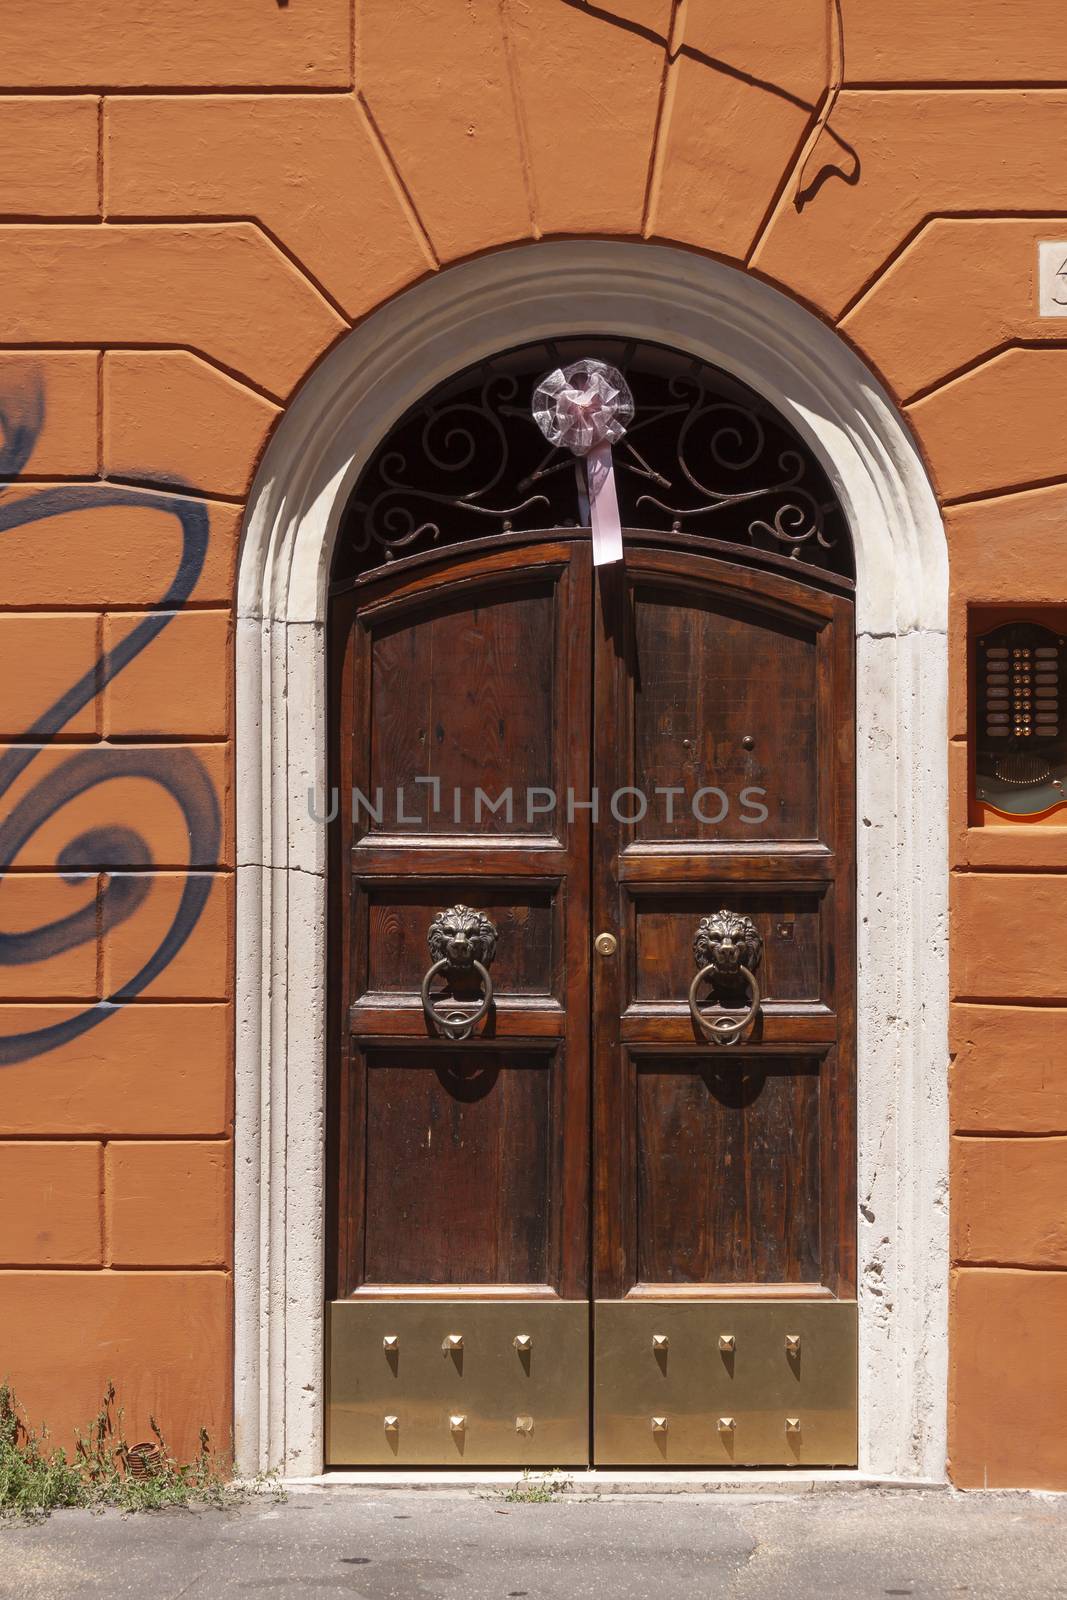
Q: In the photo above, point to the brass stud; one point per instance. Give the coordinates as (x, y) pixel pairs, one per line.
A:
(792, 1424)
(522, 1342)
(452, 1341)
(727, 1343)
(390, 1343)
(391, 1424)
(458, 1423)
(659, 1424)
(524, 1424)
(727, 1424)
(792, 1344)
(660, 1341)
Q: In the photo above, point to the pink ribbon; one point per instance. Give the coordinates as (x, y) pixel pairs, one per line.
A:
(603, 506)
(584, 408)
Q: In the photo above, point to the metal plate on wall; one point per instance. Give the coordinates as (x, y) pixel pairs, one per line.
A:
(725, 1383)
(514, 1390)
(1020, 727)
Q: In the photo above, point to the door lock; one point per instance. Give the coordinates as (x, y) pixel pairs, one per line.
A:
(605, 944)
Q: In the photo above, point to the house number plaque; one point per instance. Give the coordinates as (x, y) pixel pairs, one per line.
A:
(1052, 278)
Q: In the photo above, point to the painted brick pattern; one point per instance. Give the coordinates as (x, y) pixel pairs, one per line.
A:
(198, 201)
(168, 1204)
(50, 1204)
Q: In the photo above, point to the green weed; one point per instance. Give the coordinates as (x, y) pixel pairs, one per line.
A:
(103, 1470)
(537, 1489)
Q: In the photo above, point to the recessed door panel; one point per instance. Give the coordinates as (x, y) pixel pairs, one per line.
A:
(458, 1174)
(528, 917)
(724, 708)
(727, 1169)
(463, 706)
(789, 921)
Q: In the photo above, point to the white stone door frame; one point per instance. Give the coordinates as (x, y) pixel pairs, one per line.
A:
(395, 356)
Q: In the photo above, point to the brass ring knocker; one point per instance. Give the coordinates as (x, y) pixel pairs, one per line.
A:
(726, 947)
(456, 1024)
(724, 1029)
(457, 937)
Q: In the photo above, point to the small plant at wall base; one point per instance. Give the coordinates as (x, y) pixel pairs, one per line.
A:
(102, 1471)
(537, 1488)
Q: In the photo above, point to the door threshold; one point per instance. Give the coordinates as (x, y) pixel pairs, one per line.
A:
(607, 1481)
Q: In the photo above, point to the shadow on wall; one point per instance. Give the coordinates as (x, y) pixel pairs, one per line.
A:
(179, 772)
(845, 164)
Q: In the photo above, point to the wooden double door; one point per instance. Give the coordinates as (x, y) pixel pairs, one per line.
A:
(606, 1221)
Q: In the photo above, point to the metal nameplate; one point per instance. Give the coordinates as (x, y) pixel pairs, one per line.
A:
(730, 1383)
(451, 1383)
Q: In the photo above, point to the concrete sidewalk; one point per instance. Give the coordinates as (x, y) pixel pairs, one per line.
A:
(469, 1546)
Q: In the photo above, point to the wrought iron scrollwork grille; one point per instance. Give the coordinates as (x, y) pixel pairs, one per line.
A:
(704, 454)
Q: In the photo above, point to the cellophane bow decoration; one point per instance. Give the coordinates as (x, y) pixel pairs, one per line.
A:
(584, 408)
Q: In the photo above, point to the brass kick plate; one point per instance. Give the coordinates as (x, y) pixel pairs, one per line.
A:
(723, 1383)
(449, 1383)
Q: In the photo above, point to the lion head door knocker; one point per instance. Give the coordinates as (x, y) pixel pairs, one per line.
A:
(727, 950)
(461, 941)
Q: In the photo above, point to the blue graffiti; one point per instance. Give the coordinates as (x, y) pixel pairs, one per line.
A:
(118, 851)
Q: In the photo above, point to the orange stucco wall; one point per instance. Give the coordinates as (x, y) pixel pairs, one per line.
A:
(196, 201)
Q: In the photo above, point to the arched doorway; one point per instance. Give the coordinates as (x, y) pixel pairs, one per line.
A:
(618, 1198)
(809, 378)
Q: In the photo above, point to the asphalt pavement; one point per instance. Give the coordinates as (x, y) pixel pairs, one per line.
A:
(368, 1545)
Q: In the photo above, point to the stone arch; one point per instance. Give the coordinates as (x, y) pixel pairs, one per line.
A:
(725, 316)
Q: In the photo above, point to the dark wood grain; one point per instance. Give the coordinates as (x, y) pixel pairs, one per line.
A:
(512, 662)
(458, 1166)
(462, 689)
(476, 674)
(438, 560)
(663, 925)
(711, 673)
(527, 917)
(727, 1156)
